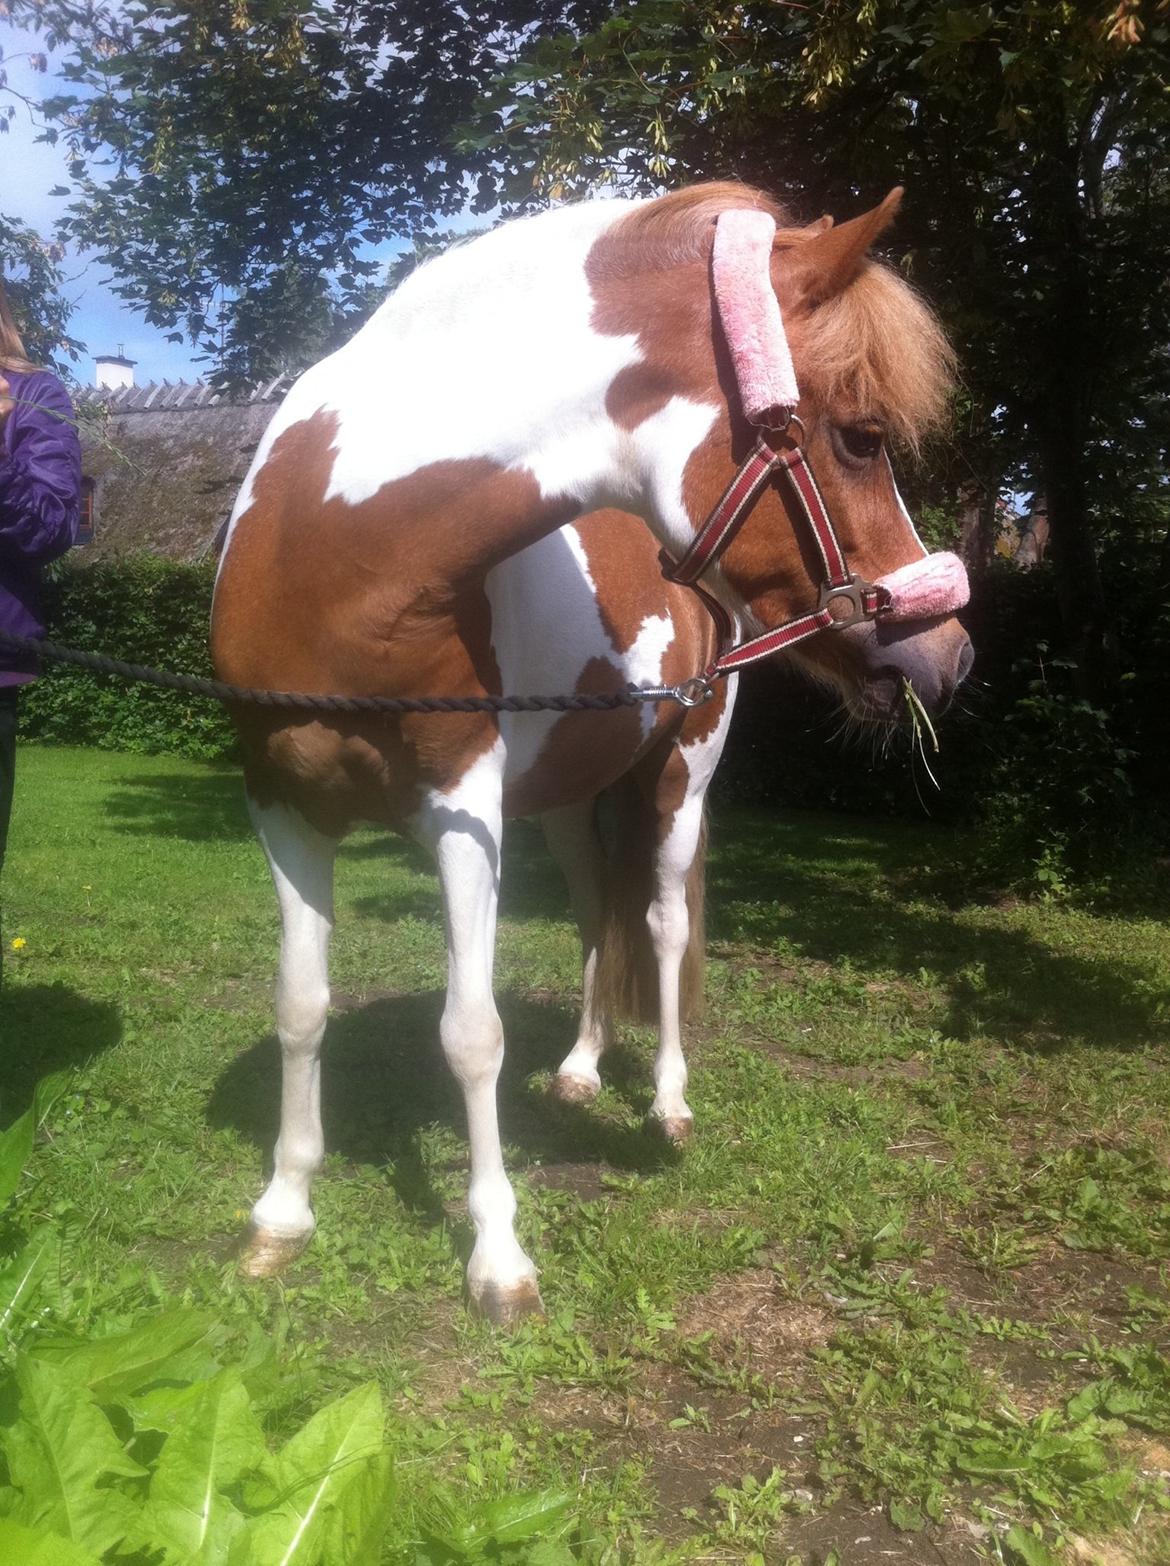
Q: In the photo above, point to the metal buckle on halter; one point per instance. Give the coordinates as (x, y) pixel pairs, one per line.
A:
(693, 692)
(786, 429)
(851, 592)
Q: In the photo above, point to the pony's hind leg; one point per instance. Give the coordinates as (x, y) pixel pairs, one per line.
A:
(301, 860)
(575, 844)
(464, 827)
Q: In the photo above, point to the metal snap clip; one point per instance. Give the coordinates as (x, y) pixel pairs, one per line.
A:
(693, 692)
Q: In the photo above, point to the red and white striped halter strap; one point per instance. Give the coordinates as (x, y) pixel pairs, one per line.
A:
(844, 597)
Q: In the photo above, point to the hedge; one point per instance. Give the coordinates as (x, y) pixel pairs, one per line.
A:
(146, 610)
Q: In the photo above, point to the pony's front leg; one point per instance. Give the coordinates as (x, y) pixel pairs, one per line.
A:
(670, 921)
(573, 840)
(301, 860)
(464, 826)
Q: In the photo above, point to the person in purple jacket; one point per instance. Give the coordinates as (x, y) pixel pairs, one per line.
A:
(40, 495)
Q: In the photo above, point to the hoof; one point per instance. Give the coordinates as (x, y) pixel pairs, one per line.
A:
(678, 1130)
(572, 1090)
(263, 1253)
(507, 1305)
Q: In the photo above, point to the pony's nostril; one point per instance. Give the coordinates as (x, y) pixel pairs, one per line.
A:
(966, 659)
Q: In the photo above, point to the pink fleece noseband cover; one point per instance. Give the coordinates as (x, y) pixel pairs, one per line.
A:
(936, 584)
(749, 312)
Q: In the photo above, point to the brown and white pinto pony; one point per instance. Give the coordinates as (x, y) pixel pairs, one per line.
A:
(398, 534)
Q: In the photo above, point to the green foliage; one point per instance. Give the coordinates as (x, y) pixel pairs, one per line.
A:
(146, 610)
(1059, 795)
(261, 154)
(34, 280)
(148, 1444)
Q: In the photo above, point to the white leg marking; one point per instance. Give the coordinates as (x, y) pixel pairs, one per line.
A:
(670, 931)
(301, 860)
(573, 840)
(670, 923)
(464, 827)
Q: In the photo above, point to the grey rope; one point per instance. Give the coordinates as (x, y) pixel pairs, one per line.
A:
(218, 690)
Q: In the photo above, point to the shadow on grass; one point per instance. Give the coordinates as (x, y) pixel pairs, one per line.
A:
(821, 885)
(384, 1081)
(45, 1028)
(196, 807)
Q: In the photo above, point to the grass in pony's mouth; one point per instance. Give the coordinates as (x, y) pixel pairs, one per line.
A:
(921, 728)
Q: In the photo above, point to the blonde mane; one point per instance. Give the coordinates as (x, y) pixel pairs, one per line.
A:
(674, 229)
(876, 347)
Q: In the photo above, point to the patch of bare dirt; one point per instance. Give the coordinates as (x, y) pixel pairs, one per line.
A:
(751, 1312)
(1084, 1291)
(814, 1068)
(584, 1181)
(864, 1536)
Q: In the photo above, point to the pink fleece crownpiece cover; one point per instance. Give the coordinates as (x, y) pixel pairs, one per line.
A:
(937, 584)
(741, 270)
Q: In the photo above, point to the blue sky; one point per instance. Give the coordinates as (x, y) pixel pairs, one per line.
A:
(28, 171)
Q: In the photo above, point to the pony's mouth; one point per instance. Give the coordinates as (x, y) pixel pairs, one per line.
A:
(909, 672)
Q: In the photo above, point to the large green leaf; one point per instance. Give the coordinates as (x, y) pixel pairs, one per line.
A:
(169, 1347)
(21, 1278)
(58, 1448)
(16, 1144)
(518, 1517)
(23, 1546)
(322, 1471)
(355, 1529)
(218, 1441)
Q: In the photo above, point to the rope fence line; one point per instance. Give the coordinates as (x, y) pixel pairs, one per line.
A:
(218, 690)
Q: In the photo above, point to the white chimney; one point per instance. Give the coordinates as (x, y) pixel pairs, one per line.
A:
(114, 371)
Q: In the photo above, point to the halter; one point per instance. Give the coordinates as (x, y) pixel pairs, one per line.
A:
(754, 330)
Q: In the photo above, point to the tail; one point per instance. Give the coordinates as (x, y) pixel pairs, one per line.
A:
(627, 972)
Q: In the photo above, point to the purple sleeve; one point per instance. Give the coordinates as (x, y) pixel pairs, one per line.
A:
(40, 472)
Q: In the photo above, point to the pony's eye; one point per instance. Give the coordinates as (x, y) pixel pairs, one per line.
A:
(862, 442)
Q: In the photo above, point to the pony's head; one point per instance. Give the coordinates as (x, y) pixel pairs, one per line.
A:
(874, 370)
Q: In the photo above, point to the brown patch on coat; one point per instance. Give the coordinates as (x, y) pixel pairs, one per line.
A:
(585, 751)
(383, 598)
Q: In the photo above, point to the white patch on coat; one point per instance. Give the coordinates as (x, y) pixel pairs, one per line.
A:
(546, 629)
(489, 351)
(909, 520)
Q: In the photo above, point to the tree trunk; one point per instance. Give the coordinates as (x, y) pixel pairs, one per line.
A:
(977, 520)
(1061, 424)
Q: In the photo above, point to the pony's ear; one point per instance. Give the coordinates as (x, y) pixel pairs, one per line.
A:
(829, 260)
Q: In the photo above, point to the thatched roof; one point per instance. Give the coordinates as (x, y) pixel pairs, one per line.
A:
(166, 463)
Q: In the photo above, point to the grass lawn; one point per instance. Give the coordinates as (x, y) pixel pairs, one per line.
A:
(904, 1299)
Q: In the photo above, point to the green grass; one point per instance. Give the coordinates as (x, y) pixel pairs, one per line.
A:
(909, 1283)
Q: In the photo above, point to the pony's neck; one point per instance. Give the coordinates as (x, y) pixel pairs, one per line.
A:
(497, 362)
